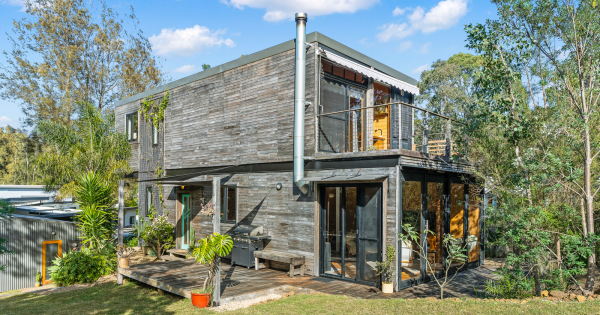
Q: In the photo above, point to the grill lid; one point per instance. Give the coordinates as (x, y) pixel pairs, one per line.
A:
(249, 230)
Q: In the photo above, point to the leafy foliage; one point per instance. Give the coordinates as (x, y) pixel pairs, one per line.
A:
(209, 251)
(513, 284)
(18, 151)
(158, 234)
(84, 266)
(96, 197)
(68, 51)
(90, 144)
(386, 268)
(456, 252)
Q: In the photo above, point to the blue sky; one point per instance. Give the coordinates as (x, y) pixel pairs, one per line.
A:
(406, 35)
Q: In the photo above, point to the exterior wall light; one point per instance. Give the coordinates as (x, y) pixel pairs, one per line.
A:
(279, 186)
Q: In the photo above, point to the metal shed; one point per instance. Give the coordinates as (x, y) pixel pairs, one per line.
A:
(27, 238)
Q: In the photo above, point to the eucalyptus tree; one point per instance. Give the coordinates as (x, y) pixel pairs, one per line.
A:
(66, 51)
(564, 35)
(90, 144)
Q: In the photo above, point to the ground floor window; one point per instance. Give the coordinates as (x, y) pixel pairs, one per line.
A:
(229, 204)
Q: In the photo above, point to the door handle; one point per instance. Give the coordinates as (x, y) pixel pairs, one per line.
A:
(244, 247)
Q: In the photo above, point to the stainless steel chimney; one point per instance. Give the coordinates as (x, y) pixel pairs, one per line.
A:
(299, 101)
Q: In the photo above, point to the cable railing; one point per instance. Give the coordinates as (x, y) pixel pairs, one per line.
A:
(396, 125)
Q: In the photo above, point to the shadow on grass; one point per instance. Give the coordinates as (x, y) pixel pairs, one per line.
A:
(131, 298)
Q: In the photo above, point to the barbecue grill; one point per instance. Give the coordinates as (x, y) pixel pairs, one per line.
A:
(246, 240)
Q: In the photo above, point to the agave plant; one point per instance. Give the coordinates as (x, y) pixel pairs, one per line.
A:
(209, 251)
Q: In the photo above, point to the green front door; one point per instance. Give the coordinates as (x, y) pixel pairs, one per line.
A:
(185, 220)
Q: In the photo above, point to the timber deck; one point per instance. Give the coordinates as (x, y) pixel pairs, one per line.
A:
(181, 276)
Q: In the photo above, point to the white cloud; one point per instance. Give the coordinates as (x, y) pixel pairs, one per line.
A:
(422, 68)
(187, 41)
(397, 11)
(185, 69)
(443, 16)
(404, 46)
(425, 48)
(19, 3)
(5, 121)
(394, 31)
(280, 10)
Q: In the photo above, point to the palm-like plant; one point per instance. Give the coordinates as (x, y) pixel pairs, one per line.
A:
(90, 144)
(96, 197)
(209, 251)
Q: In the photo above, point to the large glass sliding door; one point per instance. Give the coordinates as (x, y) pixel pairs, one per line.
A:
(351, 232)
(433, 206)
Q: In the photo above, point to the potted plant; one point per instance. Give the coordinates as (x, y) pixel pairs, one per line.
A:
(386, 270)
(38, 278)
(208, 251)
(202, 297)
(123, 252)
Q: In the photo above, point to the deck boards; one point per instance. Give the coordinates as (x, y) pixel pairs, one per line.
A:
(181, 276)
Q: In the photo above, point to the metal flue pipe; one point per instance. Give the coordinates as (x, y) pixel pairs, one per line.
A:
(299, 101)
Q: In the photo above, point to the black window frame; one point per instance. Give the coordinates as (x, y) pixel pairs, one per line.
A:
(131, 123)
(224, 202)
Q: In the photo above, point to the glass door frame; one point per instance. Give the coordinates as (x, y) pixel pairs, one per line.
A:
(424, 179)
(189, 219)
(44, 243)
(323, 230)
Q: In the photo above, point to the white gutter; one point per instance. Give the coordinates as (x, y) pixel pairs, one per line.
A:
(299, 102)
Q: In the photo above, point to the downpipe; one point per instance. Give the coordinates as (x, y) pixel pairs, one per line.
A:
(299, 102)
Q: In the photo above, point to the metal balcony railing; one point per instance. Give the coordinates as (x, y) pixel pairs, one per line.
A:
(389, 126)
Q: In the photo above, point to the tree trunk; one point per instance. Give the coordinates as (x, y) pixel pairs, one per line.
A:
(589, 200)
(536, 279)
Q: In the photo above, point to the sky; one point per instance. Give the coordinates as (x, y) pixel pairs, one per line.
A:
(405, 35)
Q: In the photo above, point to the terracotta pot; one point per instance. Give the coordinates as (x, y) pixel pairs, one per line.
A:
(123, 262)
(200, 300)
(387, 287)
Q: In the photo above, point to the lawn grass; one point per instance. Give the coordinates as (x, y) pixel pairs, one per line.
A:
(132, 298)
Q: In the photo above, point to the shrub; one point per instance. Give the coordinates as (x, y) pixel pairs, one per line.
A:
(84, 266)
(158, 234)
(513, 285)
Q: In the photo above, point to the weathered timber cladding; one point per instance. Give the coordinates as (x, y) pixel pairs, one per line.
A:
(151, 162)
(286, 216)
(249, 109)
(120, 113)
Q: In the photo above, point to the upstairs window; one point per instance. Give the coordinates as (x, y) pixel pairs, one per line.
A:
(154, 135)
(148, 200)
(229, 204)
(131, 125)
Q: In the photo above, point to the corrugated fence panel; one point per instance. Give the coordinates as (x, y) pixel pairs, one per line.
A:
(25, 236)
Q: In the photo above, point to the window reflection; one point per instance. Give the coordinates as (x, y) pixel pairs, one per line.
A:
(457, 212)
(474, 227)
(411, 214)
(381, 116)
(435, 197)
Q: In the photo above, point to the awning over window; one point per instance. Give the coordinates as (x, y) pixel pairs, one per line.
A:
(344, 178)
(382, 77)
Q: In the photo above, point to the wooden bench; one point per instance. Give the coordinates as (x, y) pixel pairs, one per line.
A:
(292, 259)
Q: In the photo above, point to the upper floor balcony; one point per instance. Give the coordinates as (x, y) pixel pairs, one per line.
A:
(361, 113)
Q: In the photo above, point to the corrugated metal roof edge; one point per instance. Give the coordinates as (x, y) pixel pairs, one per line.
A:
(34, 218)
(289, 45)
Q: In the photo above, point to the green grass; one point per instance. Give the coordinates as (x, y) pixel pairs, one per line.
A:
(136, 299)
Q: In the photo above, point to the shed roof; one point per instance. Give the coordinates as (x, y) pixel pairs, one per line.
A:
(289, 45)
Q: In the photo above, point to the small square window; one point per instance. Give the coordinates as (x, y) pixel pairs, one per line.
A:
(229, 205)
(131, 125)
